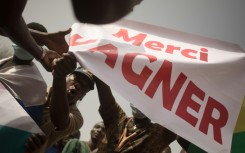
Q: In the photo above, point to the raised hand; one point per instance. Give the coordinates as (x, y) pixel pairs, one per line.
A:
(48, 58)
(64, 65)
(56, 41)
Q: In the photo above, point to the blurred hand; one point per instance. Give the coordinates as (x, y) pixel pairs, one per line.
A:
(56, 41)
(34, 142)
(64, 65)
(48, 59)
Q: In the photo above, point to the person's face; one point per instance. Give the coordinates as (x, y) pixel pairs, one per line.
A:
(98, 132)
(76, 88)
(102, 11)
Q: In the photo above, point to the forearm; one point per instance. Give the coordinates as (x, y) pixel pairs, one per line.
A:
(11, 10)
(106, 97)
(183, 143)
(10, 13)
(18, 32)
(39, 37)
(59, 107)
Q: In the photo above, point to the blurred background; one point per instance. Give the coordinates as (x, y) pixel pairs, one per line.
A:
(218, 19)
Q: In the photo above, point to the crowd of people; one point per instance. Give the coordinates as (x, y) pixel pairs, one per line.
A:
(54, 107)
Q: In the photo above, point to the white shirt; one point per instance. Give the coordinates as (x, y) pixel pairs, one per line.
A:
(25, 81)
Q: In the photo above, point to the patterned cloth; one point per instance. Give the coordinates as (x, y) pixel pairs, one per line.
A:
(25, 81)
(26, 84)
(153, 139)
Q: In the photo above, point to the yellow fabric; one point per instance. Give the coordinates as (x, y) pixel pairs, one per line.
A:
(240, 126)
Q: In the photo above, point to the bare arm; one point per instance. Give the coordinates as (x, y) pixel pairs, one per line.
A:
(13, 26)
(59, 106)
(106, 97)
(54, 41)
(183, 143)
(18, 32)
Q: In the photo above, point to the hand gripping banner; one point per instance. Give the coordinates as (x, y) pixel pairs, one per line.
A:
(192, 85)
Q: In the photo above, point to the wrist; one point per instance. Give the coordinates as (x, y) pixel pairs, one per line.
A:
(44, 52)
(58, 76)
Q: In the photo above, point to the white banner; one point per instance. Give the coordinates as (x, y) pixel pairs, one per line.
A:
(193, 86)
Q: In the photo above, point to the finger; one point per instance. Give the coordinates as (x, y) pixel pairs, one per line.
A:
(62, 67)
(53, 54)
(67, 65)
(70, 61)
(46, 65)
(43, 138)
(69, 55)
(72, 55)
(30, 144)
(50, 56)
(69, 58)
(54, 62)
(57, 65)
(66, 31)
(37, 141)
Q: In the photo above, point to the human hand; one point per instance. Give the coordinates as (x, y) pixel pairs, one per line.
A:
(56, 41)
(34, 142)
(48, 58)
(64, 65)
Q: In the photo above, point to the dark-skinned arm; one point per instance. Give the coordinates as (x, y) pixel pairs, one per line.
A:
(59, 106)
(18, 32)
(13, 26)
(106, 97)
(183, 143)
(54, 41)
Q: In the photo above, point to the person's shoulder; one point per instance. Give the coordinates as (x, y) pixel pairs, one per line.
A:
(5, 62)
(75, 114)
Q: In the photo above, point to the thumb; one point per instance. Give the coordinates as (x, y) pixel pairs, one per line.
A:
(66, 32)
